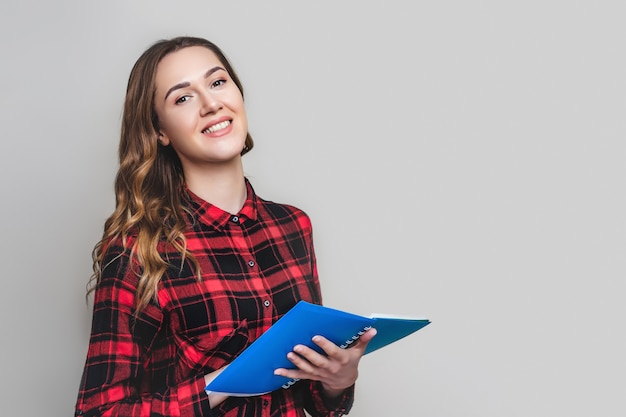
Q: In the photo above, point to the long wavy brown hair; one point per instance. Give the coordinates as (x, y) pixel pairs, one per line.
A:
(149, 180)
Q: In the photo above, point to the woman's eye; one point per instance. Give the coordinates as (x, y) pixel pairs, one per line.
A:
(181, 100)
(218, 83)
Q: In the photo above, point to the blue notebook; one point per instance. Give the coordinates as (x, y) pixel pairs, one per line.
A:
(252, 372)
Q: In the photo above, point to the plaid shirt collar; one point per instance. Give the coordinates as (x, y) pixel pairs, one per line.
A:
(214, 216)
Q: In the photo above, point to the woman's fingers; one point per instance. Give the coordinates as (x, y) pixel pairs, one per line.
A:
(335, 364)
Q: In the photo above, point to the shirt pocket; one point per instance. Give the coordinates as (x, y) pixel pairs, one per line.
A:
(210, 351)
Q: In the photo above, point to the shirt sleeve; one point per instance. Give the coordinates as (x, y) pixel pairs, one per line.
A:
(112, 383)
(321, 406)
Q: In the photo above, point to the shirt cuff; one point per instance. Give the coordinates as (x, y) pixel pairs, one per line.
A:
(336, 406)
(193, 399)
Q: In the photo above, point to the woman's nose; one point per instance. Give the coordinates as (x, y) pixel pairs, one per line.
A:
(209, 103)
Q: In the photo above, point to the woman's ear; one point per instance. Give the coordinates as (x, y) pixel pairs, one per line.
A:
(163, 139)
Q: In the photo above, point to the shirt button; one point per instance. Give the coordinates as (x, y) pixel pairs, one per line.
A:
(266, 303)
(235, 219)
(250, 264)
(265, 403)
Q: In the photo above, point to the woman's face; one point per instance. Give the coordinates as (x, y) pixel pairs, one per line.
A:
(200, 109)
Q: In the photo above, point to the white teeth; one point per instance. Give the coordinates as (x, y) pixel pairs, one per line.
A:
(216, 127)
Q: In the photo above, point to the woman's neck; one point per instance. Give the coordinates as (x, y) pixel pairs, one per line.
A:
(222, 186)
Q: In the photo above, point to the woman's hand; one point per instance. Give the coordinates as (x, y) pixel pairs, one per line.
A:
(336, 371)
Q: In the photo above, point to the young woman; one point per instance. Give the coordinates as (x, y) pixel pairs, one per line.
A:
(193, 266)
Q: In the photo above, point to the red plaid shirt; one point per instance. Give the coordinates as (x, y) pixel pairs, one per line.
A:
(255, 266)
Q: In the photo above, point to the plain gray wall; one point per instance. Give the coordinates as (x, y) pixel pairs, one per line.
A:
(460, 160)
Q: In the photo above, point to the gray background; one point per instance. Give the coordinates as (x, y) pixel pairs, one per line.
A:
(460, 160)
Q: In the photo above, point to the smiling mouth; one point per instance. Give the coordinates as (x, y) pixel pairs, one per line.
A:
(217, 126)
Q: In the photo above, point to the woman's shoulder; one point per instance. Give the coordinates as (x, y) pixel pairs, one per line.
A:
(282, 212)
(117, 246)
(115, 258)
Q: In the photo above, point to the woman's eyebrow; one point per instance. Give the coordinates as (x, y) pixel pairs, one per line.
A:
(187, 83)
